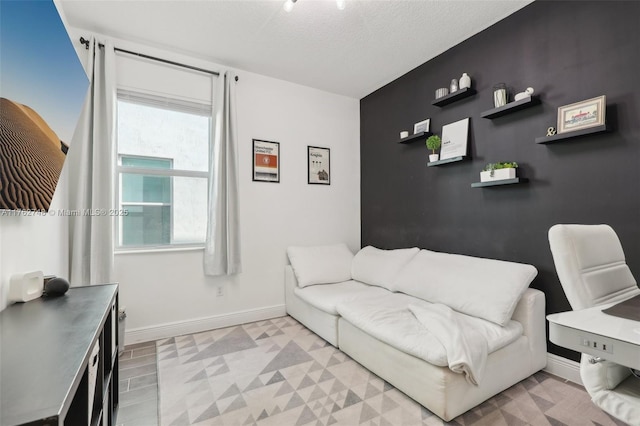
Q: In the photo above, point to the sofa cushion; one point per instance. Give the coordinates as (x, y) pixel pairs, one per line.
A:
(388, 319)
(321, 264)
(327, 297)
(374, 266)
(484, 288)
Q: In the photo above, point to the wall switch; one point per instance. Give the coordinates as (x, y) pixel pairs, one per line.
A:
(219, 291)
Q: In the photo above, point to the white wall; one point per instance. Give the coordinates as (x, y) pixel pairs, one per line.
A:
(166, 293)
(34, 243)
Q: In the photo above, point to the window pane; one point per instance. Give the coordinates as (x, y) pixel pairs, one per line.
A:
(149, 163)
(146, 225)
(189, 210)
(145, 189)
(157, 132)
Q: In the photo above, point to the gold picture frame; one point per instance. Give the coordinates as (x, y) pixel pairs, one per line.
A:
(582, 115)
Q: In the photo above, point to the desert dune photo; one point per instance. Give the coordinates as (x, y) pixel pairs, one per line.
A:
(31, 158)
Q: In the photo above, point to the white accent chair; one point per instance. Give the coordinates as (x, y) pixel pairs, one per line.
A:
(593, 271)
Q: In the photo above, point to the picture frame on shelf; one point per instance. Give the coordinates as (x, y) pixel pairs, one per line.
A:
(582, 115)
(266, 161)
(421, 126)
(318, 165)
(454, 139)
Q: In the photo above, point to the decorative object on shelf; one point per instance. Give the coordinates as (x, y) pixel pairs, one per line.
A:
(404, 134)
(421, 126)
(522, 95)
(433, 143)
(55, 286)
(465, 81)
(453, 87)
(582, 115)
(551, 131)
(443, 91)
(454, 139)
(498, 171)
(499, 95)
(26, 286)
(266, 161)
(511, 107)
(319, 166)
(453, 97)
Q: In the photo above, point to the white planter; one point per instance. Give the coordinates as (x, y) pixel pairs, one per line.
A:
(433, 157)
(499, 174)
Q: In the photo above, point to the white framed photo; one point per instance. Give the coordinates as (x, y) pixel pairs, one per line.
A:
(582, 115)
(421, 126)
(454, 139)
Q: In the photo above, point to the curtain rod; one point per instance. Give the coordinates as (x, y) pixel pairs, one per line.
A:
(142, 55)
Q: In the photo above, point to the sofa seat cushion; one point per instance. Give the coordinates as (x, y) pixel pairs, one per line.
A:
(326, 297)
(388, 318)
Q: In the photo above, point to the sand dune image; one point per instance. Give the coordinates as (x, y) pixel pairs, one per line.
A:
(31, 158)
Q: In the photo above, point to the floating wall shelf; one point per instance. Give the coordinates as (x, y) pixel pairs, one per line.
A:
(447, 161)
(415, 137)
(563, 136)
(511, 107)
(455, 96)
(499, 182)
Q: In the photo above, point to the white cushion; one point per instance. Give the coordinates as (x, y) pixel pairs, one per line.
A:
(484, 288)
(327, 297)
(380, 267)
(321, 264)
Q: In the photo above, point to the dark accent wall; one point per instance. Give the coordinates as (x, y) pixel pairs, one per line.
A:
(566, 51)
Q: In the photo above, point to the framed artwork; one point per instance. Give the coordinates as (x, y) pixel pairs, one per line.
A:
(454, 139)
(266, 161)
(421, 126)
(582, 115)
(319, 165)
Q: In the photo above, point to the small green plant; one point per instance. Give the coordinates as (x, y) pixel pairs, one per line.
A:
(492, 167)
(433, 143)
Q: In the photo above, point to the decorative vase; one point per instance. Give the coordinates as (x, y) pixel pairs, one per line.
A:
(499, 95)
(453, 87)
(498, 174)
(433, 157)
(465, 81)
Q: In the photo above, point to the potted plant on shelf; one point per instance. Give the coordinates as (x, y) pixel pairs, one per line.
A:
(433, 143)
(498, 171)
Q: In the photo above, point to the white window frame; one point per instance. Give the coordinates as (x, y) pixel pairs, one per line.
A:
(133, 97)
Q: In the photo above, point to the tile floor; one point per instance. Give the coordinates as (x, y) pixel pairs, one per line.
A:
(138, 386)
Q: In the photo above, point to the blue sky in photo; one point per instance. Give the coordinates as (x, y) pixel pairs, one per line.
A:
(38, 64)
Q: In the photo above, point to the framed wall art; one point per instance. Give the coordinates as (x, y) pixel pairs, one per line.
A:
(319, 165)
(454, 139)
(266, 161)
(421, 126)
(582, 115)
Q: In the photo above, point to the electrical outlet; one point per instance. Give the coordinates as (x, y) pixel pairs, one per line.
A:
(597, 345)
(219, 291)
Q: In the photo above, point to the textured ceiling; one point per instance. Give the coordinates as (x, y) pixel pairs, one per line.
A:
(350, 52)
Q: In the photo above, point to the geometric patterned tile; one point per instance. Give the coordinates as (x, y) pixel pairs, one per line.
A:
(277, 372)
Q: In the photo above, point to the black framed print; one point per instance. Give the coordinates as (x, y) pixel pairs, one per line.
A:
(319, 165)
(266, 161)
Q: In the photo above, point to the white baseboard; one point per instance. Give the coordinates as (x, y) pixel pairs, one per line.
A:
(163, 331)
(563, 368)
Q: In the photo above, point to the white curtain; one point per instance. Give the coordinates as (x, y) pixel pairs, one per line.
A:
(91, 174)
(222, 246)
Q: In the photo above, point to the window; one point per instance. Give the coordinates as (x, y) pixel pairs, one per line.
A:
(163, 152)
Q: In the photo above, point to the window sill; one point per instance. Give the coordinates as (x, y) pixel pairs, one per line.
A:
(145, 250)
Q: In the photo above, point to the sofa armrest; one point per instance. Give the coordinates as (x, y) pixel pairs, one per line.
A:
(530, 312)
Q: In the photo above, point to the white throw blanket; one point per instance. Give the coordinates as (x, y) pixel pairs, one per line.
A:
(466, 349)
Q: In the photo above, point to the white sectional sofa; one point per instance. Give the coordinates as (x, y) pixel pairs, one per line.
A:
(450, 331)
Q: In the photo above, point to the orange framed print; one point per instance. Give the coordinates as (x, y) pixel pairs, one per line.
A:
(266, 161)
(318, 165)
(582, 115)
